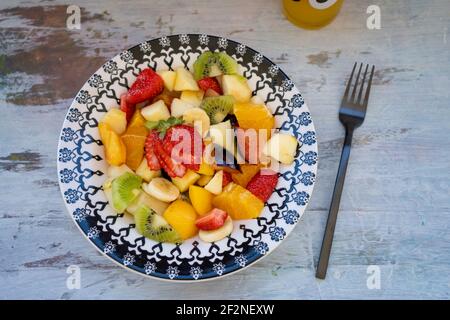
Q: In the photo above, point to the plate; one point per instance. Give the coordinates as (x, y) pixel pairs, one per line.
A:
(81, 165)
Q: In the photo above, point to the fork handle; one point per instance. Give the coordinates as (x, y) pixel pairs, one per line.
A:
(334, 207)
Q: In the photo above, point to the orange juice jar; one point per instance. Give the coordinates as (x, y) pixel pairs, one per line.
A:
(311, 14)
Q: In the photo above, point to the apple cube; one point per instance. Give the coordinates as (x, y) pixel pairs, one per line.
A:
(215, 184)
(168, 78)
(237, 87)
(179, 107)
(185, 80)
(156, 111)
(116, 171)
(193, 97)
(281, 147)
(116, 119)
(222, 135)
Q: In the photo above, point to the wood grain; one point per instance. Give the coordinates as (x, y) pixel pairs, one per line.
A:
(396, 201)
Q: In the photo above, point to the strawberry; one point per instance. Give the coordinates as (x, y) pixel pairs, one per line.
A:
(127, 107)
(213, 220)
(152, 159)
(148, 85)
(171, 166)
(226, 178)
(185, 145)
(209, 83)
(263, 184)
(158, 156)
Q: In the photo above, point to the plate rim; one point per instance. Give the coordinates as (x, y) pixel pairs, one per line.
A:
(314, 170)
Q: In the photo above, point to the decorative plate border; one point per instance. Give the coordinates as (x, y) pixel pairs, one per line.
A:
(80, 165)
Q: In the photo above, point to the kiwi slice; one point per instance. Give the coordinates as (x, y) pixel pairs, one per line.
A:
(217, 108)
(211, 64)
(226, 63)
(153, 226)
(203, 64)
(125, 189)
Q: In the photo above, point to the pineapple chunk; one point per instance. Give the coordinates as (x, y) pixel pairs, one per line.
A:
(185, 80)
(168, 78)
(237, 87)
(281, 147)
(206, 169)
(145, 172)
(116, 119)
(179, 107)
(192, 97)
(189, 178)
(215, 184)
(156, 111)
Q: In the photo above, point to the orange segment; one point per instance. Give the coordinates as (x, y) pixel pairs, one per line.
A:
(248, 171)
(137, 120)
(115, 150)
(255, 116)
(238, 202)
(134, 140)
(182, 216)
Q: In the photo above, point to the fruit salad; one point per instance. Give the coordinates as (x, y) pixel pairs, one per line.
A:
(189, 152)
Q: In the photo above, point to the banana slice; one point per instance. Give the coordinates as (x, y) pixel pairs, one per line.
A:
(162, 189)
(218, 234)
(199, 118)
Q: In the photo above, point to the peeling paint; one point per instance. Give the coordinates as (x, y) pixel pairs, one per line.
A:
(21, 161)
(386, 75)
(322, 59)
(55, 56)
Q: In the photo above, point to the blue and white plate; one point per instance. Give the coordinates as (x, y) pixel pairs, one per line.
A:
(81, 165)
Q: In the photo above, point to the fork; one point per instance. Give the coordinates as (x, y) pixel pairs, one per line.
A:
(351, 114)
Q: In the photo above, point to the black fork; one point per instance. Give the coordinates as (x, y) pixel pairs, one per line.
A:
(351, 114)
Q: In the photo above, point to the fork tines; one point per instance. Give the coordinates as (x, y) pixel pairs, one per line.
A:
(357, 100)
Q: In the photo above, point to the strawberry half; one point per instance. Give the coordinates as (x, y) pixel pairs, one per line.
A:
(126, 107)
(152, 159)
(209, 83)
(148, 85)
(171, 166)
(213, 220)
(262, 185)
(159, 157)
(185, 145)
(226, 178)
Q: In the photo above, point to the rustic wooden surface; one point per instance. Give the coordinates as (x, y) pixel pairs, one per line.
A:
(395, 209)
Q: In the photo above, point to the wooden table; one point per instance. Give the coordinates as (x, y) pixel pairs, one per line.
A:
(395, 209)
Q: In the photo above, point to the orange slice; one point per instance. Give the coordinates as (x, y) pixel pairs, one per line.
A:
(115, 150)
(248, 171)
(238, 202)
(253, 116)
(134, 140)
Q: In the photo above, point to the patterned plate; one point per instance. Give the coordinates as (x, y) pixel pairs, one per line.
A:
(81, 165)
